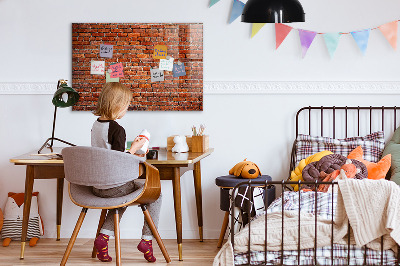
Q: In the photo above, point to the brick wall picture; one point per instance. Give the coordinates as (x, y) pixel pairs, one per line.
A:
(133, 46)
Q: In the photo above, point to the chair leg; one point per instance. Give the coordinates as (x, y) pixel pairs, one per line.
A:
(117, 239)
(101, 222)
(154, 230)
(223, 229)
(73, 237)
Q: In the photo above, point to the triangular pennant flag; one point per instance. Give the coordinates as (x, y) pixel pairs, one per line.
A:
(361, 37)
(255, 28)
(390, 32)
(281, 31)
(306, 39)
(237, 9)
(332, 41)
(213, 2)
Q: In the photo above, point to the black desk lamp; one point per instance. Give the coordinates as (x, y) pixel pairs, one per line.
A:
(272, 11)
(64, 97)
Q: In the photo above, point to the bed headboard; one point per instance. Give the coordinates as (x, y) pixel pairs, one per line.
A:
(345, 118)
(344, 121)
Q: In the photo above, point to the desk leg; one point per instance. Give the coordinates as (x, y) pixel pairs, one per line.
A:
(176, 182)
(199, 204)
(27, 206)
(60, 190)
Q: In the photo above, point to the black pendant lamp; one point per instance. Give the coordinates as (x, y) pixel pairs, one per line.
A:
(273, 11)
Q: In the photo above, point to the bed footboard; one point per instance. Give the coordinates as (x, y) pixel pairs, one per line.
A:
(300, 256)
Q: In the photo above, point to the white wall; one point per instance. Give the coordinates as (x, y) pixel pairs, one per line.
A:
(36, 47)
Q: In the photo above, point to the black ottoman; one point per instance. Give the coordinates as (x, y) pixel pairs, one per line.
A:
(228, 182)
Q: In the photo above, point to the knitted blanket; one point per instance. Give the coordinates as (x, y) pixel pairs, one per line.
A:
(274, 235)
(371, 207)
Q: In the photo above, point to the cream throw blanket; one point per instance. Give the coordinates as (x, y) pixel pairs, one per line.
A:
(371, 206)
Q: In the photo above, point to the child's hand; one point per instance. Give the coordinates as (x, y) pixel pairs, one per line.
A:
(143, 155)
(137, 144)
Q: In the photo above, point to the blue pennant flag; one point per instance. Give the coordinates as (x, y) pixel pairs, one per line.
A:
(237, 9)
(332, 41)
(361, 38)
(213, 2)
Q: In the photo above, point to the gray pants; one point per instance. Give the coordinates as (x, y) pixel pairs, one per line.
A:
(154, 208)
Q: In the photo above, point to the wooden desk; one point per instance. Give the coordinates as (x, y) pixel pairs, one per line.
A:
(171, 167)
(40, 167)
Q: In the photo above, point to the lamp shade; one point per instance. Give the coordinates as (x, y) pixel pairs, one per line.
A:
(273, 11)
(65, 96)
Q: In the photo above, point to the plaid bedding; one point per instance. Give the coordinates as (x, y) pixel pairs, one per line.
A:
(372, 145)
(323, 207)
(324, 257)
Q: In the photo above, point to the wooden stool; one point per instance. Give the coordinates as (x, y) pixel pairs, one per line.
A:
(226, 183)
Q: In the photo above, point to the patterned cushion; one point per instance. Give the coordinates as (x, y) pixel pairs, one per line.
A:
(372, 144)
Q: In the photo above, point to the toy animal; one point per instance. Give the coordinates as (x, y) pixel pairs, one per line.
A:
(376, 170)
(180, 144)
(13, 215)
(245, 169)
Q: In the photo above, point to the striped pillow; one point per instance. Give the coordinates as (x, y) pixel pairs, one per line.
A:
(372, 145)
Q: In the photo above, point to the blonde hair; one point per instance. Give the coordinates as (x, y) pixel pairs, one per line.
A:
(113, 97)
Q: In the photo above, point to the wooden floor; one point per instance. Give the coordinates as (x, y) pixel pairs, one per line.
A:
(50, 252)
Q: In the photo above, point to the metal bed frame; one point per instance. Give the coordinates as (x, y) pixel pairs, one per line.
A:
(284, 184)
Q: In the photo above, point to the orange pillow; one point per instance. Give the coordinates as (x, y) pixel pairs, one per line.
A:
(375, 170)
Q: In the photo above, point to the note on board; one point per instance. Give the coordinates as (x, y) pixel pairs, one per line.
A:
(110, 79)
(167, 64)
(97, 67)
(106, 50)
(156, 75)
(179, 70)
(117, 70)
(160, 52)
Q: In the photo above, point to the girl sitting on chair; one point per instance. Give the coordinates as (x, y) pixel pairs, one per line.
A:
(106, 133)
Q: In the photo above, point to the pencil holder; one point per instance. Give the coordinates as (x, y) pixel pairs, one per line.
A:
(200, 143)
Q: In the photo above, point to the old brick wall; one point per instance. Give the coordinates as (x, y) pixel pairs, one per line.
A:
(133, 47)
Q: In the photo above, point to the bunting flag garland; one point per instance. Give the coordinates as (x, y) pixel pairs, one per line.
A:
(256, 27)
(389, 30)
(361, 37)
(281, 31)
(237, 9)
(306, 39)
(213, 2)
(332, 41)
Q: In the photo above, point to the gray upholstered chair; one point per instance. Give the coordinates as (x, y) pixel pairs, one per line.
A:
(85, 167)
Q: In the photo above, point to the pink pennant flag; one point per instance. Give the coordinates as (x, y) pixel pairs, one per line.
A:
(281, 31)
(389, 30)
(306, 39)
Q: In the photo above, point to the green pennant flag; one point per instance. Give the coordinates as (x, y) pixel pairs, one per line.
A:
(332, 41)
(213, 2)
